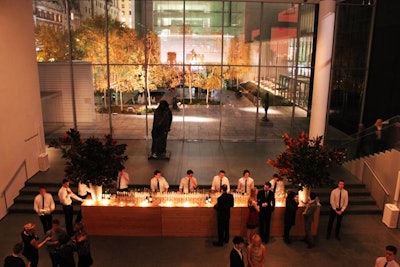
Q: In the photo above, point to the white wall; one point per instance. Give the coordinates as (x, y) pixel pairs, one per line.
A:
(385, 166)
(21, 130)
(56, 78)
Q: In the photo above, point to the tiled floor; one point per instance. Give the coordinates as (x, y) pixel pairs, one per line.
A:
(363, 236)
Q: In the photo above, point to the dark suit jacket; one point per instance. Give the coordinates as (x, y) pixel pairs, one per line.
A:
(224, 205)
(235, 259)
(262, 199)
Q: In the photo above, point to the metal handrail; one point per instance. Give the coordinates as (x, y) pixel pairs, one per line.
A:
(9, 184)
(376, 177)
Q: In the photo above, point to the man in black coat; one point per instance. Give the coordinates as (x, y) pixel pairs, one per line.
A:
(266, 202)
(224, 204)
(236, 256)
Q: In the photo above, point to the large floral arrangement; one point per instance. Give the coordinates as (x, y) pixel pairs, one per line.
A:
(306, 162)
(94, 160)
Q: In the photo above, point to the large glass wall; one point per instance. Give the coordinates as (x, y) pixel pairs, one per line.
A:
(350, 64)
(221, 57)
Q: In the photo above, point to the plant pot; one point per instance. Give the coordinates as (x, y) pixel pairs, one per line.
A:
(96, 192)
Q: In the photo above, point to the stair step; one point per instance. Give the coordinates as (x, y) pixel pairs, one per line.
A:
(28, 208)
(356, 210)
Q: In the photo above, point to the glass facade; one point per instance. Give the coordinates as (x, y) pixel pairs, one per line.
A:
(222, 58)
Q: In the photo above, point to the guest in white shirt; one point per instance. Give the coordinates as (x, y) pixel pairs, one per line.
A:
(44, 206)
(245, 183)
(339, 200)
(218, 181)
(65, 195)
(158, 183)
(388, 260)
(188, 183)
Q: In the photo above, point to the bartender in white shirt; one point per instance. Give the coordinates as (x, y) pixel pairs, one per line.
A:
(65, 195)
(158, 183)
(188, 183)
(44, 206)
(218, 181)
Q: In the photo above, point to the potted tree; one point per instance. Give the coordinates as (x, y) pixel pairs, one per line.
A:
(305, 163)
(93, 161)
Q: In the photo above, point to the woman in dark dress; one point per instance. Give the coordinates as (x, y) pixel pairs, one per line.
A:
(82, 245)
(292, 203)
(252, 215)
(66, 252)
(31, 244)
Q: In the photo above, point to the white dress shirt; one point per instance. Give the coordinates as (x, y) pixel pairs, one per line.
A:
(380, 262)
(122, 180)
(65, 194)
(162, 183)
(216, 183)
(242, 183)
(43, 205)
(337, 194)
(183, 186)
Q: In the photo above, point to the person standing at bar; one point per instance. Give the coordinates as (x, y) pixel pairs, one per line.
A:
(266, 202)
(292, 203)
(188, 183)
(218, 181)
(44, 206)
(122, 182)
(339, 200)
(158, 183)
(65, 195)
(83, 192)
(245, 183)
(223, 207)
(308, 214)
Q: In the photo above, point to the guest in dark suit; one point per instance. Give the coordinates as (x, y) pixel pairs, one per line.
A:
(224, 204)
(292, 203)
(236, 256)
(266, 202)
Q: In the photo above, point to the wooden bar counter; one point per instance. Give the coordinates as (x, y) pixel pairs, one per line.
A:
(123, 220)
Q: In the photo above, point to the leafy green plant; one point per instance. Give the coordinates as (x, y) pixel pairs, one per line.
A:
(94, 160)
(306, 162)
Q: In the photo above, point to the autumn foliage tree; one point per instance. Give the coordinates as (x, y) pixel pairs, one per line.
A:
(306, 162)
(238, 60)
(52, 44)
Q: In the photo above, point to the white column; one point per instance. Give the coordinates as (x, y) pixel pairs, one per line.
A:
(326, 24)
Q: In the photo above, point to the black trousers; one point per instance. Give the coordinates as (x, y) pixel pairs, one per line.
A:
(332, 216)
(286, 231)
(264, 224)
(46, 221)
(223, 230)
(68, 215)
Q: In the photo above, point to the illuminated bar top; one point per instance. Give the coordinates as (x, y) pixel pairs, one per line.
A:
(170, 199)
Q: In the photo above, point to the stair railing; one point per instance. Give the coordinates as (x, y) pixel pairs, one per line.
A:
(361, 144)
(371, 179)
(11, 183)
